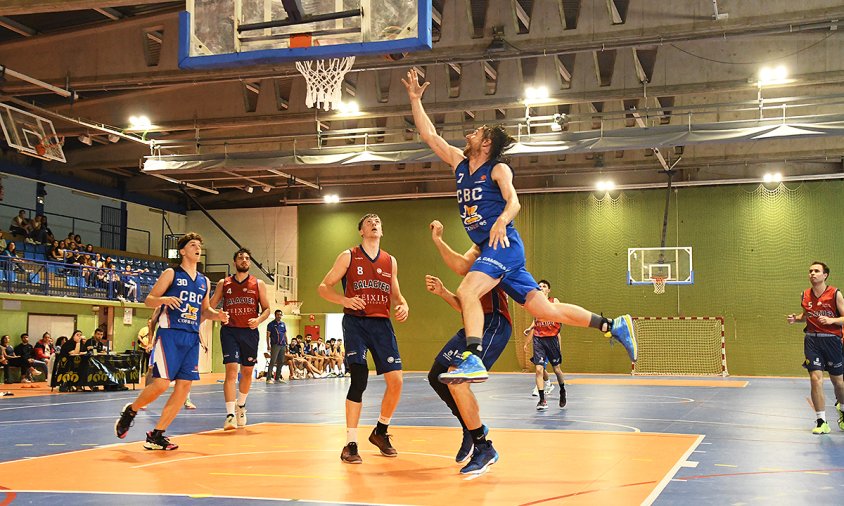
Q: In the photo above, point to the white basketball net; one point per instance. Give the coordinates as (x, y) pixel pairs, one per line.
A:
(324, 79)
(659, 284)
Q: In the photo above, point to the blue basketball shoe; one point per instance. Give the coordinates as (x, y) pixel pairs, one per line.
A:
(467, 446)
(623, 332)
(471, 370)
(484, 456)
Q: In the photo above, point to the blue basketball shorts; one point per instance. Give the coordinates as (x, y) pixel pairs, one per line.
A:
(823, 352)
(497, 331)
(175, 355)
(376, 335)
(508, 265)
(546, 350)
(239, 345)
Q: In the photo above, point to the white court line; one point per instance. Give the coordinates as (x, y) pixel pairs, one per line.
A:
(196, 495)
(669, 476)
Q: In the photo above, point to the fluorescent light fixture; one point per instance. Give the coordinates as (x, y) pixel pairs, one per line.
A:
(154, 164)
(85, 139)
(772, 177)
(139, 123)
(113, 138)
(248, 189)
(605, 186)
(266, 188)
(331, 198)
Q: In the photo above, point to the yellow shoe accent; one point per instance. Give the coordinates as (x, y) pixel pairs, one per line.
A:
(821, 429)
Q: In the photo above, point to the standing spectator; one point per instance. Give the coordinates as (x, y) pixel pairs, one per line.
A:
(38, 234)
(7, 356)
(145, 345)
(29, 365)
(50, 236)
(277, 344)
(20, 224)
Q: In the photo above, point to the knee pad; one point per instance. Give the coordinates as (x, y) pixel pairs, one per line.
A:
(360, 376)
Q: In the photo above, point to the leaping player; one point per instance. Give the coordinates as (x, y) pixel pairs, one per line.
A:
(245, 299)
(488, 203)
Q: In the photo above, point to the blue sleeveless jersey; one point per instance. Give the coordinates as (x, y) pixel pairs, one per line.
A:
(479, 200)
(191, 293)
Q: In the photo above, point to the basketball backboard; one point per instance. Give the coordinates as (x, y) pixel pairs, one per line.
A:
(232, 33)
(31, 134)
(673, 265)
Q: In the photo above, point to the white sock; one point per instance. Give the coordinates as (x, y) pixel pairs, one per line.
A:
(821, 415)
(548, 383)
(241, 398)
(351, 435)
(385, 419)
(230, 408)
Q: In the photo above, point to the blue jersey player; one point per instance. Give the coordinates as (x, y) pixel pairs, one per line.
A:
(182, 295)
(488, 204)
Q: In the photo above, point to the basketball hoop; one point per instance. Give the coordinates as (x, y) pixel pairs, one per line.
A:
(51, 145)
(324, 79)
(659, 284)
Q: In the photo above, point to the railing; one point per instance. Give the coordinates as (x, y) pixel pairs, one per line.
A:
(57, 279)
(73, 220)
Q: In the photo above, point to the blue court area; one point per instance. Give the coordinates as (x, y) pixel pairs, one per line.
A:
(756, 445)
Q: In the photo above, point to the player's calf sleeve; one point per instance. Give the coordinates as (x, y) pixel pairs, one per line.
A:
(599, 322)
(442, 390)
(360, 377)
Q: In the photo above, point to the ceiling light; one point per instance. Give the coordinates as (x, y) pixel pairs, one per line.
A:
(154, 164)
(266, 188)
(772, 177)
(248, 189)
(85, 139)
(534, 94)
(331, 198)
(605, 186)
(773, 75)
(350, 108)
(139, 123)
(113, 138)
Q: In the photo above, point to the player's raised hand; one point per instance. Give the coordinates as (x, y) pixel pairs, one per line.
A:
(436, 230)
(434, 284)
(414, 89)
(401, 312)
(355, 303)
(498, 235)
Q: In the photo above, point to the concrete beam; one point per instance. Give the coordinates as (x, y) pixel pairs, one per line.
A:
(11, 7)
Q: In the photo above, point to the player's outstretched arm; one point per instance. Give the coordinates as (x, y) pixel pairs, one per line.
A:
(436, 286)
(459, 264)
(397, 299)
(447, 153)
(338, 271)
(156, 294)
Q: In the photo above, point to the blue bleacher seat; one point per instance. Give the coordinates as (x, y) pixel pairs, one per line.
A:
(71, 281)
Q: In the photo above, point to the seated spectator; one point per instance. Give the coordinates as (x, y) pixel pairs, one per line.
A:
(78, 240)
(50, 236)
(98, 344)
(69, 238)
(37, 234)
(300, 363)
(89, 248)
(20, 224)
(59, 343)
(29, 365)
(311, 351)
(75, 345)
(130, 283)
(46, 352)
(9, 258)
(55, 254)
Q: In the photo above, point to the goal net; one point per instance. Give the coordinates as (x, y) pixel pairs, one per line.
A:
(691, 346)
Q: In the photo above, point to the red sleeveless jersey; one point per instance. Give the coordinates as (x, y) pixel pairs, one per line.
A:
(825, 305)
(495, 301)
(371, 280)
(241, 300)
(546, 329)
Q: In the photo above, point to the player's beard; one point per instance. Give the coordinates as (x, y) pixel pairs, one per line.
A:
(241, 269)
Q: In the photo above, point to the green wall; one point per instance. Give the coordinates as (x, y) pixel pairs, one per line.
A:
(752, 248)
